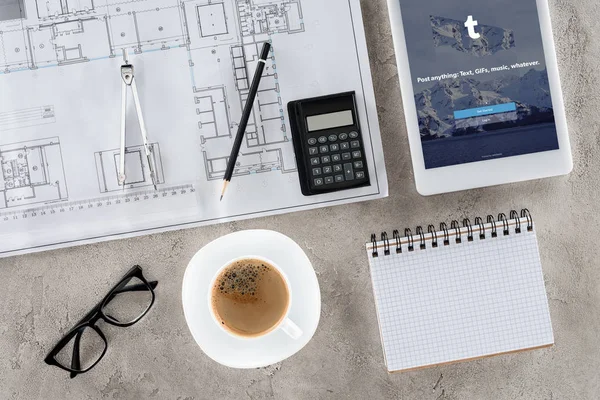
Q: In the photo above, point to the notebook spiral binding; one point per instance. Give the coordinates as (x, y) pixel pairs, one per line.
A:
(455, 232)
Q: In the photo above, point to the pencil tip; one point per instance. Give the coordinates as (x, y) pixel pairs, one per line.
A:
(225, 184)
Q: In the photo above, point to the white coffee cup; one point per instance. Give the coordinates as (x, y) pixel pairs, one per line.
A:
(286, 324)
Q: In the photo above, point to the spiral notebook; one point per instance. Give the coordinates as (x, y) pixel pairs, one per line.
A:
(459, 293)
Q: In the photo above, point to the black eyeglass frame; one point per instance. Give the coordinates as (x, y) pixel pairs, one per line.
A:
(97, 313)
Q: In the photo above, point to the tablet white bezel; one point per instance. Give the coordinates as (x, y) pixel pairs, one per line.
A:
(491, 172)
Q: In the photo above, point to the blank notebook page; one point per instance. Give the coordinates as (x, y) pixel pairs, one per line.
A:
(461, 301)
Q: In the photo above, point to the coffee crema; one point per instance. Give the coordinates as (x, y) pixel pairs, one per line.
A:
(250, 297)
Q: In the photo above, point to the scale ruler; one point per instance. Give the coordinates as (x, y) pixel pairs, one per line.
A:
(111, 203)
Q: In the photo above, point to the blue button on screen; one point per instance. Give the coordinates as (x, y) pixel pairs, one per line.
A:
(487, 110)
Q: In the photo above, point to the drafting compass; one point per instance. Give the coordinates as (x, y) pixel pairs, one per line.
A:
(128, 78)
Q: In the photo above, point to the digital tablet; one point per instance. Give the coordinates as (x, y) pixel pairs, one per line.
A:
(481, 92)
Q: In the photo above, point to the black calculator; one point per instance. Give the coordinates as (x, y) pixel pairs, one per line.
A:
(328, 143)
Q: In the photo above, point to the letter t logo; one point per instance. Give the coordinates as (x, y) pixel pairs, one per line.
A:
(470, 25)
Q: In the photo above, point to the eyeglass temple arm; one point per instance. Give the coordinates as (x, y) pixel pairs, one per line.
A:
(136, 288)
(133, 288)
(75, 361)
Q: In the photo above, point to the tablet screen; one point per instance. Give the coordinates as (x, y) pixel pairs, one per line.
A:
(479, 78)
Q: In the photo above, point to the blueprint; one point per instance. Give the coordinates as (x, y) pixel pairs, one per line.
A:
(60, 99)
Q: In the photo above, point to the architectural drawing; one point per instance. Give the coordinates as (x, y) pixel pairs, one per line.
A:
(229, 33)
(212, 19)
(258, 17)
(137, 170)
(60, 80)
(47, 9)
(27, 117)
(267, 146)
(32, 172)
(247, 163)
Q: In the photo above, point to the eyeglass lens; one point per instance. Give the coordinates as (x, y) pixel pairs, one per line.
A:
(91, 346)
(131, 300)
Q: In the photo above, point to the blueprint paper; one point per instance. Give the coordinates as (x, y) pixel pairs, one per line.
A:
(60, 99)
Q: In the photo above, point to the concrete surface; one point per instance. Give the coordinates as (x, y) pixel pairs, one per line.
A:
(44, 294)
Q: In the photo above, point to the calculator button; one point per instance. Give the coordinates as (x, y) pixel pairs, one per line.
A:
(337, 168)
(318, 182)
(324, 149)
(360, 175)
(313, 151)
(348, 172)
(339, 178)
(334, 147)
(344, 146)
(343, 136)
(312, 141)
(333, 138)
(325, 159)
(316, 171)
(323, 139)
(315, 161)
(336, 158)
(346, 156)
(353, 135)
(358, 164)
(327, 170)
(328, 180)
(355, 144)
(356, 154)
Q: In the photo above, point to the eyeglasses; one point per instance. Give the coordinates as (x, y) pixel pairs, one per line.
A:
(84, 346)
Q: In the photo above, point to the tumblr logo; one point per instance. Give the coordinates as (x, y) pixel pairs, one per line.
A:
(470, 25)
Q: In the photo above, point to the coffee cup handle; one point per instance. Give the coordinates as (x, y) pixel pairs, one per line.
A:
(291, 329)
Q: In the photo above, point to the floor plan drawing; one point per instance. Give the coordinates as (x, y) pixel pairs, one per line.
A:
(32, 172)
(47, 9)
(137, 170)
(228, 32)
(194, 61)
(212, 19)
(267, 146)
(62, 32)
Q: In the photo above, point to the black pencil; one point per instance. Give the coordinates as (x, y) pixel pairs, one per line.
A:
(245, 116)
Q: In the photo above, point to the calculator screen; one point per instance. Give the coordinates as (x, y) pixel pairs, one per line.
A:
(331, 120)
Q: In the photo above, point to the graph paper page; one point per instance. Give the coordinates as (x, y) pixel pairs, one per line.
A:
(461, 301)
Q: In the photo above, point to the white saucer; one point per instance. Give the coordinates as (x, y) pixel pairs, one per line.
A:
(251, 353)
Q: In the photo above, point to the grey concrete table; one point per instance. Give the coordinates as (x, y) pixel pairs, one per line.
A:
(42, 294)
